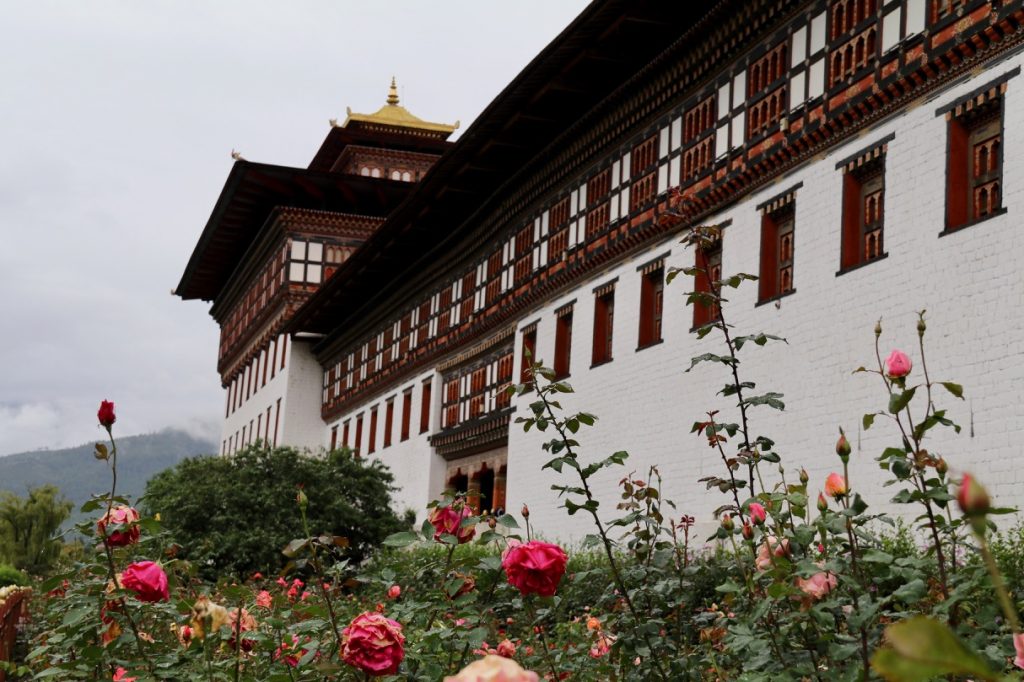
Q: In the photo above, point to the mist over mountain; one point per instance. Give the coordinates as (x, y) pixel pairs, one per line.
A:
(79, 475)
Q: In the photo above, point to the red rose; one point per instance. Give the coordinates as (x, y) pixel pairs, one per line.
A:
(374, 644)
(106, 414)
(448, 521)
(122, 516)
(535, 568)
(147, 580)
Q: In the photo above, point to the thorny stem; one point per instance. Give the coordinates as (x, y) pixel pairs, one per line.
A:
(940, 559)
(108, 550)
(1009, 610)
(864, 655)
(725, 460)
(317, 567)
(238, 639)
(543, 639)
(605, 540)
(716, 292)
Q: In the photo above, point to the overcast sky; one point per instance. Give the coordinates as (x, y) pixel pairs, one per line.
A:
(117, 119)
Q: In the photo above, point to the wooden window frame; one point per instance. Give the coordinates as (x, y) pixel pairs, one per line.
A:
(775, 227)
(708, 261)
(563, 344)
(389, 422)
(604, 327)
(371, 445)
(425, 406)
(967, 133)
(525, 361)
(863, 226)
(406, 414)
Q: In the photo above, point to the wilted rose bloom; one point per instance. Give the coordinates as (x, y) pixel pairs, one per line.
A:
(898, 365)
(818, 585)
(264, 600)
(289, 651)
(247, 624)
(374, 644)
(835, 486)
(506, 648)
(535, 567)
(120, 515)
(493, 669)
(106, 415)
(593, 623)
(147, 580)
(780, 549)
(448, 521)
(602, 646)
(757, 513)
(184, 635)
(394, 592)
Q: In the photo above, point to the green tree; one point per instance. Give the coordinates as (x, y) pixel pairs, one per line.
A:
(29, 526)
(235, 514)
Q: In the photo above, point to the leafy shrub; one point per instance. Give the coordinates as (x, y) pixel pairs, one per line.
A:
(9, 575)
(233, 515)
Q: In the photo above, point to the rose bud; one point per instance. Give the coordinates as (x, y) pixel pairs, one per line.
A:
(898, 365)
(757, 513)
(492, 523)
(803, 476)
(526, 512)
(748, 531)
(972, 497)
(727, 523)
(302, 500)
(835, 486)
(941, 467)
(878, 328)
(843, 446)
(106, 415)
(394, 592)
(822, 503)
(921, 326)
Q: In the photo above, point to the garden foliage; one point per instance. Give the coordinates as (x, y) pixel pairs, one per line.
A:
(801, 580)
(232, 515)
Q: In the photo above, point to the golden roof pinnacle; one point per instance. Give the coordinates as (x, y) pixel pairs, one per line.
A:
(394, 115)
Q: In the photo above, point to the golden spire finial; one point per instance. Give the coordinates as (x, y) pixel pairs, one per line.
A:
(393, 93)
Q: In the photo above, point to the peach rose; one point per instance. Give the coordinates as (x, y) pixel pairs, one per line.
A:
(780, 549)
(835, 486)
(535, 567)
(448, 521)
(374, 644)
(493, 669)
(818, 585)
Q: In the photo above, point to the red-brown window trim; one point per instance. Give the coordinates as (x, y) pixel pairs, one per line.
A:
(526, 360)
(425, 406)
(389, 421)
(604, 324)
(563, 342)
(371, 446)
(406, 413)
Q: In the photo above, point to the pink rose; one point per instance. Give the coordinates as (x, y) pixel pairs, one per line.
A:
(779, 549)
(448, 521)
(835, 486)
(264, 600)
(972, 497)
(394, 592)
(147, 580)
(121, 675)
(535, 567)
(602, 646)
(757, 513)
(493, 669)
(373, 644)
(818, 585)
(898, 365)
(122, 516)
(1018, 646)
